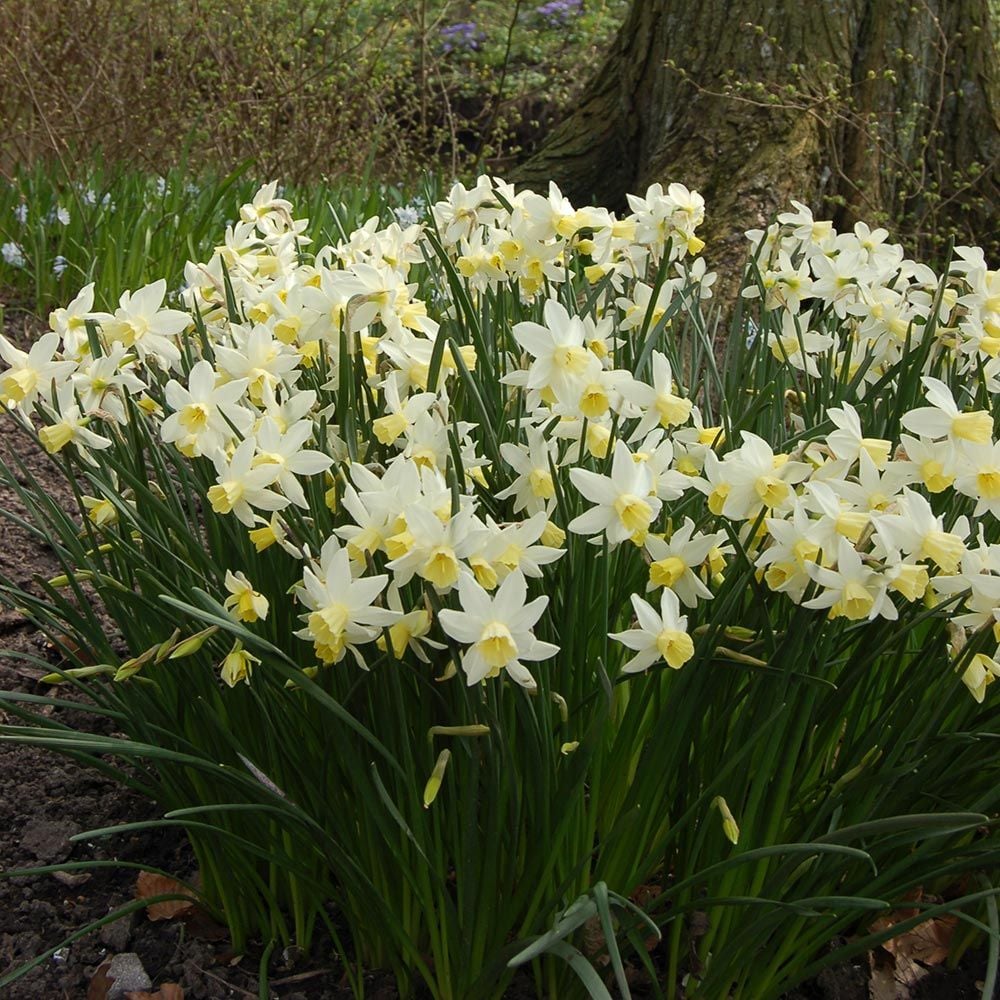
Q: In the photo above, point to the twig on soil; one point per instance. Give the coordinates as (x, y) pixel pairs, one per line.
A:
(225, 982)
(301, 977)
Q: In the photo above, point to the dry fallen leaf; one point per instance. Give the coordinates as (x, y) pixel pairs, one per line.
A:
(198, 922)
(928, 942)
(593, 932)
(902, 961)
(67, 644)
(100, 982)
(594, 941)
(148, 885)
(72, 878)
(893, 976)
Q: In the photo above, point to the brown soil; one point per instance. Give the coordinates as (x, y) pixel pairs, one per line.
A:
(45, 800)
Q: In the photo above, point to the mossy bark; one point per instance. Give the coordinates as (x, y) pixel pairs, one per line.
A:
(874, 109)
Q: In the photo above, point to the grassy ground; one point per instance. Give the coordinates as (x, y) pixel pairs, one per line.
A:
(124, 229)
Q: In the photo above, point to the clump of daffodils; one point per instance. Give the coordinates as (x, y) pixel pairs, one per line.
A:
(335, 400)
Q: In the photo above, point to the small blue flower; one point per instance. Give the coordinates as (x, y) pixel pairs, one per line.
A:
(461, 36)
(12, 254)
(559, 13)
(408, 215)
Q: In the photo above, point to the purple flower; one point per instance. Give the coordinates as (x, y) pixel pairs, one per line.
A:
(461, 36)
(558, 13)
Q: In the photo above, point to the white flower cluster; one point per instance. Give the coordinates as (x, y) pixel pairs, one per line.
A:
(252, 379)
(808, 270)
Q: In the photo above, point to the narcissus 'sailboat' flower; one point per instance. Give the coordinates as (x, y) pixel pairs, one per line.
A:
(625, 503)
(342, 610)
(497, 630)
(526, 427)
(660, 636)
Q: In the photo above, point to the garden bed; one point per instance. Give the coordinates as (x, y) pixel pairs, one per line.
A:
(48, 799)
(317, 815)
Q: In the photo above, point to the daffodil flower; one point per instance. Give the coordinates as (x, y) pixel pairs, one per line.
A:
(206, 414)
(238, 665)
(558, 349)
(69, 426)
(241, 486)
(533, 486)
(674, 561)
(625, 506)
(142, 324)
(341, 609)
(284, 450)
(916, 530)
(245, 603)
(31, 373)
(982, 671)
(660, 636)
(852, 590)
(944, 419)
(497, 630)
(662, 406)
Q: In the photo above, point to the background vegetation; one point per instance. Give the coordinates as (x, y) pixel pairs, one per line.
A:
(309, 90)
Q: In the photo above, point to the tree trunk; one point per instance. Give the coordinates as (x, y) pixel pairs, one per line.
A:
(875, 109)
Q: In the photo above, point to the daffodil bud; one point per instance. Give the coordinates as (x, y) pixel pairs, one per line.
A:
(561, 702)
(848, 776)
(163, 650)
(193, 643)
(731, 654)
(729, 826)
(93, 670)
(156, 653)
(106, 547)
(433, 785)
